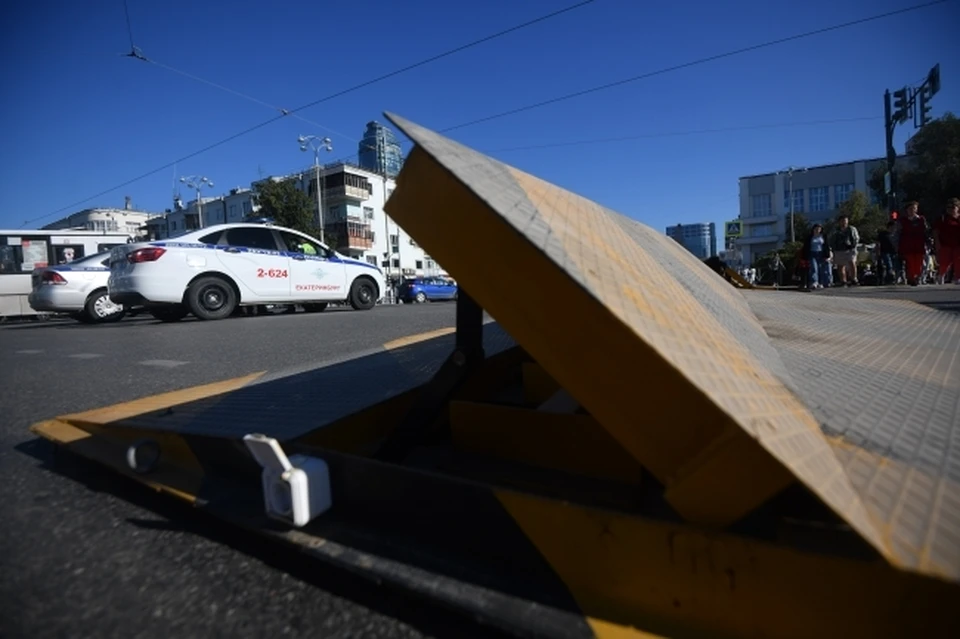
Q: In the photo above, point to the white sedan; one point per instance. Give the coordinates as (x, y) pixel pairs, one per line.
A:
(212, 271)
(78, 289)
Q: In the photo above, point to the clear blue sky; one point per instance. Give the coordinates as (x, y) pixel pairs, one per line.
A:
(78, 118)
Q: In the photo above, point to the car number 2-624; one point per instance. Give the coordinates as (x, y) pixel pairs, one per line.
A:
(272, 272)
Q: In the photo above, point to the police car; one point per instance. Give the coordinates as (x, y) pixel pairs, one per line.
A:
(212, 271)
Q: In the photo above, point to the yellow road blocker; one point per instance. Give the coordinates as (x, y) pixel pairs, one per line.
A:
(635, 448)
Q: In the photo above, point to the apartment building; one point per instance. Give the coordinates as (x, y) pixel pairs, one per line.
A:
(699, 239)
(817, 192)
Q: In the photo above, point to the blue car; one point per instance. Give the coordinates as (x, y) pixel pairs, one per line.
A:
(427, 289)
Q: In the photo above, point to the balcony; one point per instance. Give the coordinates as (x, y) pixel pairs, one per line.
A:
(353, 236)
(345, 192)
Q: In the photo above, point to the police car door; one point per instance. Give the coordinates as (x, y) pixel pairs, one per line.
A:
(251, 256)
(315, 272)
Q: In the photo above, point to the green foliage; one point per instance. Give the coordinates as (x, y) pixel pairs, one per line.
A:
(287, 205)
(935, 175)
(801, 226)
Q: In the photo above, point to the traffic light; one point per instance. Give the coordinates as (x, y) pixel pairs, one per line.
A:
(924, 110)
(933, 81)
(901, 100)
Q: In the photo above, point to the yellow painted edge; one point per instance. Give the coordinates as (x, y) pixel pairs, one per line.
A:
(606, 630)
(68, 435)
(126, 410)
(680, 579)
(417, 338)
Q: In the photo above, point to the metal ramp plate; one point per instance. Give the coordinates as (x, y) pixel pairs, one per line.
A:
(666, 355)
(887, 395)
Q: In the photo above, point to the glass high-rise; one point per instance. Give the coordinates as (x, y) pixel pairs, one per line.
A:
(699, 239)
(380, 150)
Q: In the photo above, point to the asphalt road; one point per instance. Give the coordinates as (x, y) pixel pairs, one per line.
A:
(84, 552)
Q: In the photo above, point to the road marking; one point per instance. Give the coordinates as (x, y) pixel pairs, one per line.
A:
(163, 363)
(419, 337)
(29, 351)
(85, 355)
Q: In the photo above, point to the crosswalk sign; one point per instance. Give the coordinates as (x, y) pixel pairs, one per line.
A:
(733, 229)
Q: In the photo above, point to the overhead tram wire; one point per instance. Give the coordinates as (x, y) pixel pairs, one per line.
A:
(693, 63)
(670, 134)
(513, 111)
(136, 53)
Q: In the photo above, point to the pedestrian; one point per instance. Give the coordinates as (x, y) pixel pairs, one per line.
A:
(816, 251)
(946, 238)
(913, 242)
(845, 242)
(887, 253)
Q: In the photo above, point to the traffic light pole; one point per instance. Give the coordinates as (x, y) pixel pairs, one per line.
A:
(901, 108)
(891, 152)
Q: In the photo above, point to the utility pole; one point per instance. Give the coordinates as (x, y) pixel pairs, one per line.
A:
(901, 108)
(790, 171)
(317, 143)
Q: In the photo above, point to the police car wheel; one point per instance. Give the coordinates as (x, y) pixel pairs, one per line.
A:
(363, 294)
(211, 298)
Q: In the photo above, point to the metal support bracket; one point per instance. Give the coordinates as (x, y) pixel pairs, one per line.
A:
(466, 356)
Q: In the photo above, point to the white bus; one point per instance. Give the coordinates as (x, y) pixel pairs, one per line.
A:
(23, 251)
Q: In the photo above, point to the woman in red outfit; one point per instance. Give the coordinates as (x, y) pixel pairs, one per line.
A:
(946, 237)
(913, 241)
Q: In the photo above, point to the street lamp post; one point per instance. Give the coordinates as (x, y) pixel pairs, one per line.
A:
(790, 170)
(197, 182)
(317, 144)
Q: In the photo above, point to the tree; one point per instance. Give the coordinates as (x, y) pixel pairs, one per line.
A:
(285, 204)
(801, 226)
(934, 176)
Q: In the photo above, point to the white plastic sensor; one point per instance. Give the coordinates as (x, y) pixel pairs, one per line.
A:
(295, 490)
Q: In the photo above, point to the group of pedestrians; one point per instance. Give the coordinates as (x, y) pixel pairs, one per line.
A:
(909, 247)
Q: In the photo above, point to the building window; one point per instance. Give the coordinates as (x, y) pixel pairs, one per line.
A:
(368, 212)
(761, 205)
(396, 263)
(233, 211)
(761, 230)
(419, 264)
(247, 208)
(385, 264)
(841, 193)
(372, 259)
(797, 200)
(818, 199)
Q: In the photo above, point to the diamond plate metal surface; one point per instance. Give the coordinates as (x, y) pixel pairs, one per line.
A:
(883, 379)
(637, 274)
(289, 404)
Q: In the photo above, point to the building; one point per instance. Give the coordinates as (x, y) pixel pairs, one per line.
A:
(699, 239)
(818, 192)
(355, 223)
(114, 220)
(232, 207)
(379, 151)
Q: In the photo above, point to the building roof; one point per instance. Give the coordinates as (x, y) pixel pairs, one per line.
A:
(820, 166)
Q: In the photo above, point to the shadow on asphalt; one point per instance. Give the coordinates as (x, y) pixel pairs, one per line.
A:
(429, 619)
(178, 517)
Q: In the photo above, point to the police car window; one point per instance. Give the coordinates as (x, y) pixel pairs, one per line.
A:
(257, 238)
(296, 243)
(212, 238)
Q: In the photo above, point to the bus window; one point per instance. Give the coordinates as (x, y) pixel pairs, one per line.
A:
(23, 254)
(66, 253)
